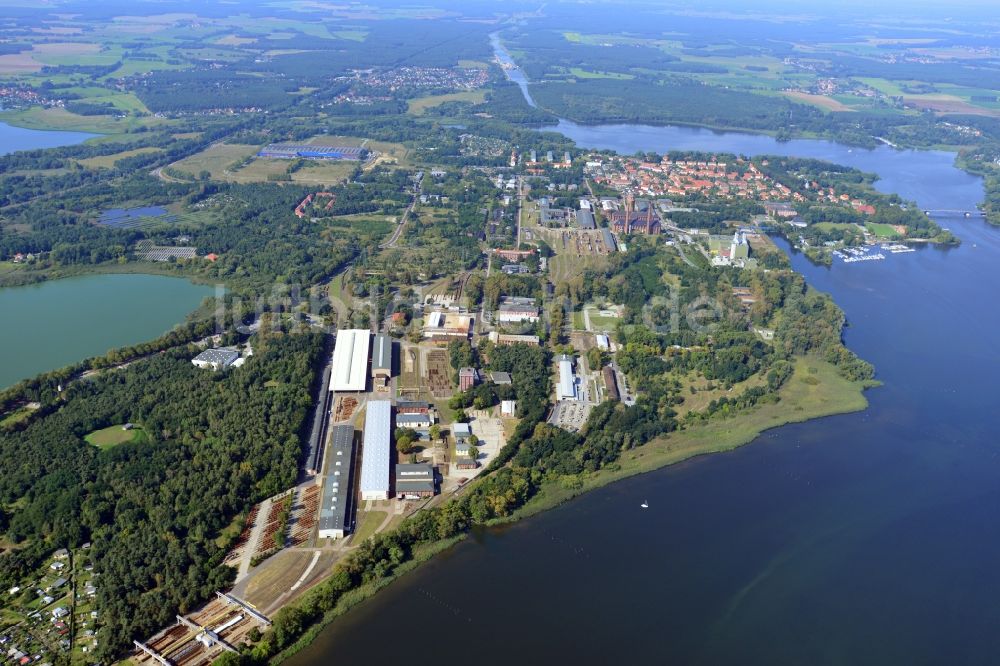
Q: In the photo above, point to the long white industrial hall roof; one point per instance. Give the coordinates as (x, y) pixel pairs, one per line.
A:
(350, 360)
(567, 383)
(375, 457)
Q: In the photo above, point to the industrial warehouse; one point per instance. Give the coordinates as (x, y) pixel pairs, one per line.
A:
(382, 362)
(291, 151)
(376, 454)
(350, 361)
(334, 514)
(567, 381)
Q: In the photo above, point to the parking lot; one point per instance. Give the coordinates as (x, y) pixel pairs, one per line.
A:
(570, 414)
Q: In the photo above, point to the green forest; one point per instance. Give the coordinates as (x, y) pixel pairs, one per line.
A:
(218, 444)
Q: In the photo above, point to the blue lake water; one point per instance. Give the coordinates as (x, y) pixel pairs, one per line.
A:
(868, 538)
(56, 323)
(13, 139)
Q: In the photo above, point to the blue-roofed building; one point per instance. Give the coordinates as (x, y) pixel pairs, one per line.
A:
(291, 151)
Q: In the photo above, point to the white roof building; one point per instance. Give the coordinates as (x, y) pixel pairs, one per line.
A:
(603, 343)
(216, 359)
(375, 457)
(350, 360)
(567, 382)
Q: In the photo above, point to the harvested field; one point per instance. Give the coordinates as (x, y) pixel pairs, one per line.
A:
(234, 40)
(822, 101)
(67, 48)
(19, 63)
(945, 106)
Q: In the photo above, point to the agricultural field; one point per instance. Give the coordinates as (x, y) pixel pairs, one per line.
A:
(420, 105)
(581, 73)
(824, 102)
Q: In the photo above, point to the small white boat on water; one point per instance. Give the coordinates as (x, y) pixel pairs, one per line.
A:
(645, 504)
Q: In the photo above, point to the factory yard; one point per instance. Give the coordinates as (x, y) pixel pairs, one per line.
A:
(438, 376)
(570, 414)
(291, 541)
(197, 639)
(578, 242)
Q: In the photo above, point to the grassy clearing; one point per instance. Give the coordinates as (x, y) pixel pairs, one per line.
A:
(835, 226)
(324, 173)
(370, 522)
(358, 36)
(884, 86)
(134, 67)
(363, 224)
(882, 230)
(698, 401)
(16, 417)
(565, 267)
(216, 159)
(581, 73)
(108, 161)
(230, 531)
(113, 436)
(420, 105)
(815, 390)
(599, 322)
(61, 119)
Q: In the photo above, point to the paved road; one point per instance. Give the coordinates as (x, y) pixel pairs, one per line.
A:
(255, 535)
(684, 256)
(402, 223)
(520, 209)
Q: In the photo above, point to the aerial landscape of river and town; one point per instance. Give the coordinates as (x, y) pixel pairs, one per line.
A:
(377, 332)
